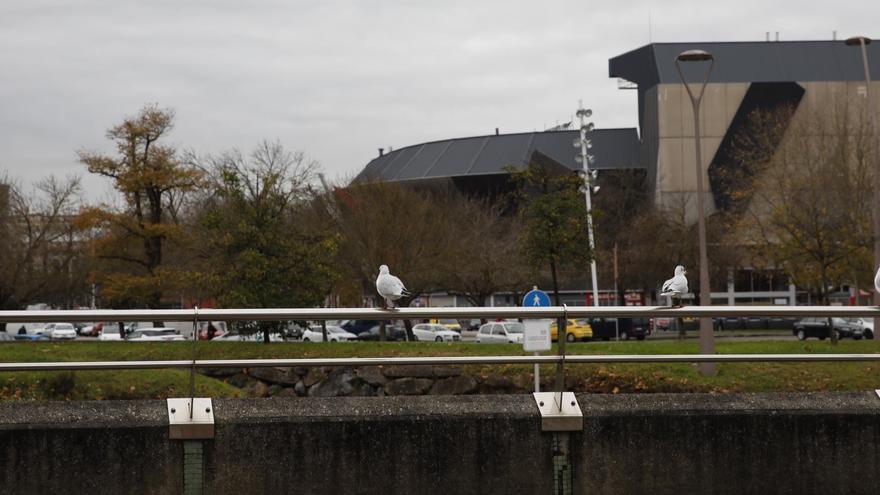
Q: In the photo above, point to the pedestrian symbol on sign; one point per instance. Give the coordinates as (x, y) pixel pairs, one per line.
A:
(536, 297)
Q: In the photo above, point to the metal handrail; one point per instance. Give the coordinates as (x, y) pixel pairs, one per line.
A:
(436, 360)
(54, 316)
(424, 313)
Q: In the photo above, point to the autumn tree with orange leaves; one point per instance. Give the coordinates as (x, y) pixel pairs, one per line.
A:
(133, 235)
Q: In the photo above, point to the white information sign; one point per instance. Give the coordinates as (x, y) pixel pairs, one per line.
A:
(537, 335)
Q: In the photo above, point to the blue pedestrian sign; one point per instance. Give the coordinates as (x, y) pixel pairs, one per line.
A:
(536, 297)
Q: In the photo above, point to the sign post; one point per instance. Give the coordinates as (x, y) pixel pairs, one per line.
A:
(537, 332)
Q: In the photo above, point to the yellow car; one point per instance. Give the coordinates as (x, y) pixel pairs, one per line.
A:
(449, 323)
(574, 330)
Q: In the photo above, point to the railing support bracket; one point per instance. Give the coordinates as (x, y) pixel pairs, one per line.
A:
(190, 418)
(560, 411)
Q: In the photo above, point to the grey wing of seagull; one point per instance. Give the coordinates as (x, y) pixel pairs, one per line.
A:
(400, 289)
(667, 287)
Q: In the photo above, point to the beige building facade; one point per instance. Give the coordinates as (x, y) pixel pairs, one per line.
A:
(809, 76)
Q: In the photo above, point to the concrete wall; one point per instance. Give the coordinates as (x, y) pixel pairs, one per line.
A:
(801, 443)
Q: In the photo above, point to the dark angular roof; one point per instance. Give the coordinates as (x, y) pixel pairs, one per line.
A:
(487, 155)
(748, 61)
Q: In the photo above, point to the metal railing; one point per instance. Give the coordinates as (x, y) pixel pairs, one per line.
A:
(197, 315)
(203, 314)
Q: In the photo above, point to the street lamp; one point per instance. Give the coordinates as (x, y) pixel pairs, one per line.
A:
(707, 339)
(588, 176)
(863, 42)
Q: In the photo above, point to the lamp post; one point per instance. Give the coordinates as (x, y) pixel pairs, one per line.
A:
(588, 176)
(863, 42)
(707, 339)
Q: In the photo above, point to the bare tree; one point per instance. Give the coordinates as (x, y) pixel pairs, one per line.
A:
(43, 252)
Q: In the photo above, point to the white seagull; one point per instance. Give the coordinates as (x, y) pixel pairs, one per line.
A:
(390, 287)
(877, 281)
(676, 286)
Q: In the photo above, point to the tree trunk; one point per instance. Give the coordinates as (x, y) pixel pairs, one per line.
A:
(825, 302)
(383, 331)
(410, 336)
(324, 330)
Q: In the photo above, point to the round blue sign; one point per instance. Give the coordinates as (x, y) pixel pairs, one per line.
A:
(536, 298)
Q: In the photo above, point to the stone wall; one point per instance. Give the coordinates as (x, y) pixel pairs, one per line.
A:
(367, 381)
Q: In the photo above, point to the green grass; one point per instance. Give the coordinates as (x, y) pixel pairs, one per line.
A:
(616, 378)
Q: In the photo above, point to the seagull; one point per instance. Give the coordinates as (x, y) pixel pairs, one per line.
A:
(676, 286)
(390, 287)
(877, 281)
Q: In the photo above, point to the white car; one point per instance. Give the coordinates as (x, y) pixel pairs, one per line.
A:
(334, 334)
(254, 337)
(434, 332)
(110, 332)
(501, 332)
(64, 331)
(154, 334)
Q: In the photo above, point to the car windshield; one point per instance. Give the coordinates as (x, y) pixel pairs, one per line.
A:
(448, 321)
(63, 326)
(333, 330)
(113, 329)
(515, 327)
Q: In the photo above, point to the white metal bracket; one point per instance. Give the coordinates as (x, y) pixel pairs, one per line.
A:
(190, 418)
(877, 392)
(559, 411)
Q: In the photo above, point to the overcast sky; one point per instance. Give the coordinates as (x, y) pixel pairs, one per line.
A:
(339, 79)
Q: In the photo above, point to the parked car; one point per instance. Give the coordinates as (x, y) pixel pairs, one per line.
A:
(627, 328)
(818, 327)
(31, 337)
(5, 337)
(334, 334)
(449, 323)
(109, 332)
(155, 334)
(501, 332)
(748, 323)
(62, 331)
(575, 329)
(358, 326)
(781, 322)
(867, 325)
(254, 337)
(65, 330)
(392, 333)
(433, 332)
(209, 330)
(91, 330)
(661, 323)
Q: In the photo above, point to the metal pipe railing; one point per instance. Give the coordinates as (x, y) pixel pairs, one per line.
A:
(424, 313)
(436, 361)
(202, 314)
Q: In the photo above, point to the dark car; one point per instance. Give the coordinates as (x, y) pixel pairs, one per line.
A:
(358, 327)
(629, 328)
(740, 322)
(818, 327)
(392, 332)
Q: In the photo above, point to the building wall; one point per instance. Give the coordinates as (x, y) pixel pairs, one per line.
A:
(672, 169)
(676, 184)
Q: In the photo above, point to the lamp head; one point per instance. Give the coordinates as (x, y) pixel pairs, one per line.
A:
(857, 41)
(694, 56)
